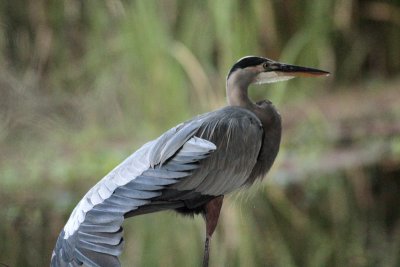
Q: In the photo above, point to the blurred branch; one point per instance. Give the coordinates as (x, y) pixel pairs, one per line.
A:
(381, 11)
(197, 75)
(360, 130)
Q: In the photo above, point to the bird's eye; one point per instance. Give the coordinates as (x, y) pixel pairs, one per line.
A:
(265, 66)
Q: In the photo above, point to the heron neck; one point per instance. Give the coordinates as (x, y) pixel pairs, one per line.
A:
(236, 93)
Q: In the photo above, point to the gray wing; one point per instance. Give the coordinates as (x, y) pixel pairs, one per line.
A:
(93, 233)
(182, 169)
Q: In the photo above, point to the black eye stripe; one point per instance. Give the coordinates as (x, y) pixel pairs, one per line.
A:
(247, 62)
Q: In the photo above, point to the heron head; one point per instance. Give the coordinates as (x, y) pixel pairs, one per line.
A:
(259, 70)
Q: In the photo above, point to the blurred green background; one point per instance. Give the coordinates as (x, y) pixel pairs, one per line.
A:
(84, 83)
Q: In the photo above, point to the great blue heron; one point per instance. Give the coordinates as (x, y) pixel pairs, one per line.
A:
(188, 169)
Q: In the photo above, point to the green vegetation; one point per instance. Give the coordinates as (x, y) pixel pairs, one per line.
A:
(85, 83)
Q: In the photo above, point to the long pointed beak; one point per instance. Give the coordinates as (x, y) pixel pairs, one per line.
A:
(297, 71)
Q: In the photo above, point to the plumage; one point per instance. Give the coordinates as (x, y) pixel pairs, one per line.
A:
(188, 169)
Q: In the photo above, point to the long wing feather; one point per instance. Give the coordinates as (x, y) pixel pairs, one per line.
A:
(93, 234)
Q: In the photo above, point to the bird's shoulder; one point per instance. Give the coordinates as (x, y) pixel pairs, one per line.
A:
(237, 134)
(229, 113)
(229, 121)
